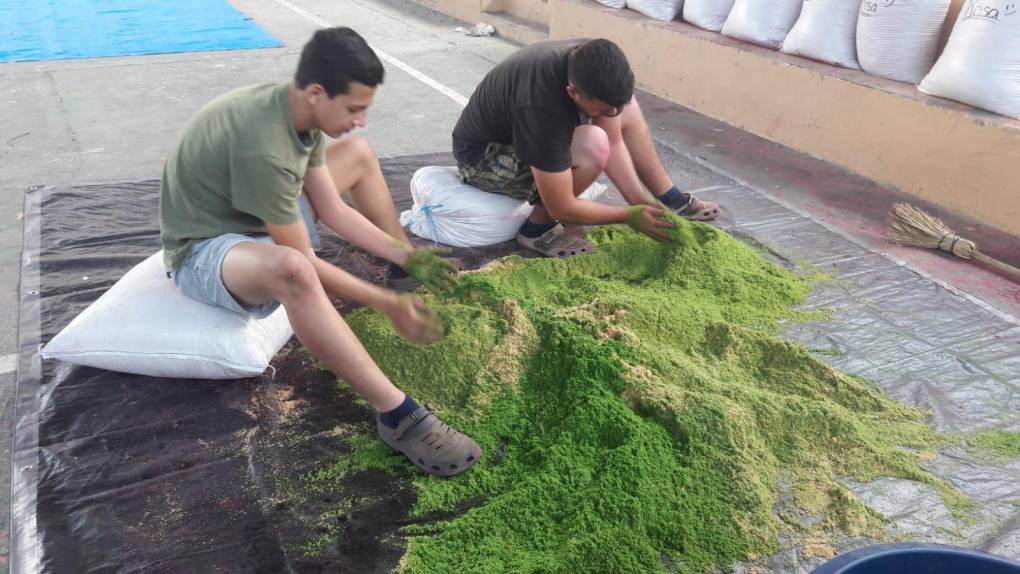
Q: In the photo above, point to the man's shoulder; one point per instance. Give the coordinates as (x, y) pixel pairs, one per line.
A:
(253, 94)
(240, 109)
(252, 119)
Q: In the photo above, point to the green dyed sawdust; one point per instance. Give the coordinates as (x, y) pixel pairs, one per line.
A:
(1000, 444)
(636, 409)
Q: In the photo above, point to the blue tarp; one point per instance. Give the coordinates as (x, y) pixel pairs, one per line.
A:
(63, 29)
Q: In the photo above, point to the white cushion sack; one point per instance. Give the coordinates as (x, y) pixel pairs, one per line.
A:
(665, 10)
(451, 212)
(898, 40)
(762, 22)
(826, 31)
(613, 3)
(981, 63)
(707, 14)
(146, 326)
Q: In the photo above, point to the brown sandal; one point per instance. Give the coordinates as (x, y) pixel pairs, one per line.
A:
(557, 242)
(697, 210)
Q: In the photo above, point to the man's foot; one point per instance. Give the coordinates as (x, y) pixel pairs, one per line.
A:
(697, 210)
(557, 242)
(430, 443)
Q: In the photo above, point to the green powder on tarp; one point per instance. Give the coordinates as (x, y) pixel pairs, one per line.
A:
(637, 409)
(1001, 444)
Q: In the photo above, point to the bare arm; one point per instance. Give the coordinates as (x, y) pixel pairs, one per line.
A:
(557, 192)
(335, 281)
(558, 198)
(620, 168)
(347, 222)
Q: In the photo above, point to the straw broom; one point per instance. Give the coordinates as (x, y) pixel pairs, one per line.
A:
(911, 226)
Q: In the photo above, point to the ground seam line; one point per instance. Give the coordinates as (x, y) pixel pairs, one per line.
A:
(429, 81)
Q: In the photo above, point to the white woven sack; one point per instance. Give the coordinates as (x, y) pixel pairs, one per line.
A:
(146, 326)
(618, 4)
(454, 213)
(897, 39)
(826, 31)
(707, 14)
(981, 63)
(762, 22)
(665, 10)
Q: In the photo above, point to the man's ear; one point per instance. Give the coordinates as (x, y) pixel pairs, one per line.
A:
(314, 93)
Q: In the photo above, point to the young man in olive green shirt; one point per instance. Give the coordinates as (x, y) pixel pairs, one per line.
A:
(235, 233)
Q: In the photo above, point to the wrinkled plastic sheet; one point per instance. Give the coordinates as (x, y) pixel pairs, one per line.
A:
(62, 29)
(117, 472)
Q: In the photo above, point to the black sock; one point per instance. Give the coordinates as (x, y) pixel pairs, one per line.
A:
(674, 198)
(395, 271)
(393, 418)
(532, 230)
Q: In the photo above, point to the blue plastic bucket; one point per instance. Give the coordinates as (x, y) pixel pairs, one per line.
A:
(914, 558)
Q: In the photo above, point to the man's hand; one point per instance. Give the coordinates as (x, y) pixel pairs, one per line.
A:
(414, 320)
(649, 220)
(430, 269)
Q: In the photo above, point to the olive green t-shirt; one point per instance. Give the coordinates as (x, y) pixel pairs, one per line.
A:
(239, 164)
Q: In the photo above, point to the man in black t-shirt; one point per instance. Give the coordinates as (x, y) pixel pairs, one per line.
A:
(546, 122)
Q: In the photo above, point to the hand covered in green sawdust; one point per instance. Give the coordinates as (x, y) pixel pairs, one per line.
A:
(649, 221)
(414, 320)
(430, 269)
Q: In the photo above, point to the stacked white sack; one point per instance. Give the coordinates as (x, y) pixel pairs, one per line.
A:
(981, 63)
(826, 31)
(897, 39)
(762, 22)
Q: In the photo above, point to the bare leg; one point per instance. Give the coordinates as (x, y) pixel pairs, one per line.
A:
(257, 273)
(589, 153)
(639, 142)
(355, 169)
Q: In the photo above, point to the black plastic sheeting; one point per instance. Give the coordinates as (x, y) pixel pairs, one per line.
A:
(119, 473)
(122, 473)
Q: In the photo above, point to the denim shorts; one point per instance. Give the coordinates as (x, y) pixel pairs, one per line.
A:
(200, 276)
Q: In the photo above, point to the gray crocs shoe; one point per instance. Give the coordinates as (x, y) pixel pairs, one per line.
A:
(698, 210)
(557, 242)
(430, 443)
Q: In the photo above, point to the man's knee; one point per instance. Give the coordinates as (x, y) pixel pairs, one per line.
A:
(291, 273)
(590, 147)
(351, 148)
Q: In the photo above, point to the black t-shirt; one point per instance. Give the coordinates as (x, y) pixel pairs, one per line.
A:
(523, 101)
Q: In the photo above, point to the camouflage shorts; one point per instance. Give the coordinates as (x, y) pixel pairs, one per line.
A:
(501, 171)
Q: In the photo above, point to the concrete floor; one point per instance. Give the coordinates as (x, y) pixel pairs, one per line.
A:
(96, 120)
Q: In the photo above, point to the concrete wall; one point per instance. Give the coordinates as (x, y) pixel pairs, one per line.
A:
(963, 159)
(536, 11)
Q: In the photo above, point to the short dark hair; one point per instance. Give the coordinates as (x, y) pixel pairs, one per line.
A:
(334, 58)
(599, 69)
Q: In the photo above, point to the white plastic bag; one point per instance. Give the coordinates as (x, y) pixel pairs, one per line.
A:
(454, 213)
(897, 39)
(826, 31)
(981, 63)
(618, 4)
(707, 14)
(762, 22)
(665, 10)
(146, 326)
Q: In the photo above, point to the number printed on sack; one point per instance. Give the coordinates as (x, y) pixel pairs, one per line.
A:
(986, 11)
(869, 8)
